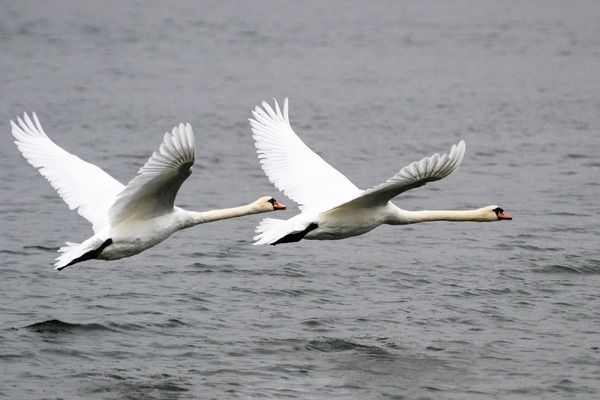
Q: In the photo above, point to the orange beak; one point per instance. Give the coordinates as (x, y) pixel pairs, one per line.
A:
(504, 215)
(278, 206)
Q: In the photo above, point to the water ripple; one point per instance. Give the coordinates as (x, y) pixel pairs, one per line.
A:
(330, 344)
(58, 326)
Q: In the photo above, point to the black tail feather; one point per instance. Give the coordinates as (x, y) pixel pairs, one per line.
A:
(296, 236)
(89, 255)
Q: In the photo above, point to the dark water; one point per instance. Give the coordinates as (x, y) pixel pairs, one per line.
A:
(457, 311)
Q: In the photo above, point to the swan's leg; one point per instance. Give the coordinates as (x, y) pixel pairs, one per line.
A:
(90, 254)
(297, 236)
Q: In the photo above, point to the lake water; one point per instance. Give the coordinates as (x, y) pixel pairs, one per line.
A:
(506, 310)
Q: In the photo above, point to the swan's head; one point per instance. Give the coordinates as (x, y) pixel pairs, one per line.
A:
(268, 203)
(495, 213)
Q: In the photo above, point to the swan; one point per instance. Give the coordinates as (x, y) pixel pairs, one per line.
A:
(331, 206)
(126, 220)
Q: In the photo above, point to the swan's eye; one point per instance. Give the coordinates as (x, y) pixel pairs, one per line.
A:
(272, 201)
(498, 210)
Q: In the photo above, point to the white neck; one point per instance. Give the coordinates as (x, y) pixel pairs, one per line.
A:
(402, 217)
(191, 218)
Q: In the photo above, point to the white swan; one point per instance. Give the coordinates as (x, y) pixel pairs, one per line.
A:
(126, 220)
(332, 206)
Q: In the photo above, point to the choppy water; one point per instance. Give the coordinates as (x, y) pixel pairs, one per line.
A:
(459, 311)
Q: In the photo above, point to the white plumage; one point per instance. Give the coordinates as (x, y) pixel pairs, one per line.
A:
(126, 220)
(152, 191)
(83, 186)
(332, 206)
(291, 166)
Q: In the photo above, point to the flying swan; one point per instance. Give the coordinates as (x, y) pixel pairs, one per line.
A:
(126, 220)
(331, 206)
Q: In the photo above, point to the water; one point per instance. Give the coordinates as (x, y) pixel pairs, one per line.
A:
(458, 311)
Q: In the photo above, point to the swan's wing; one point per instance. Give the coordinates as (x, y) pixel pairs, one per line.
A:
(291, 166)
(83, 186)
(416, 174)
(152, 192)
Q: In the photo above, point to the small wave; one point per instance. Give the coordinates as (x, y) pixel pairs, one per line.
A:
(329, 345)
(558, 268)
(127, 327)
(531, 247)
(197, 267)
(38, 247)
(289, 292)
(170, 323)
(486, 291)
(11, 252)
(154, 386)
(572, 265)
(321, 325)
(570, 269)
(292, 270)
(566, 214)
(58, 326)
(577, 156)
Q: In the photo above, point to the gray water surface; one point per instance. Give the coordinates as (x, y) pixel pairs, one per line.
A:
(455, 311)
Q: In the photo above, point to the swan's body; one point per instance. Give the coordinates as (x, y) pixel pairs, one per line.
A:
(332, 206)
(126, 220)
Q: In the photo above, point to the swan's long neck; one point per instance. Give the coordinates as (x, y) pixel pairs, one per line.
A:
(402, 217)
(191, 218)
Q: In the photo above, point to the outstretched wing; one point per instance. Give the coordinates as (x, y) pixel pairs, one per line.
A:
(416, 174)
(152, 192)
(291, 166)
(83, 186)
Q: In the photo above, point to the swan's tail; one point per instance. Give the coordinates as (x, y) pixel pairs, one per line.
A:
(73, 253)
(269, 231)
(275, 231)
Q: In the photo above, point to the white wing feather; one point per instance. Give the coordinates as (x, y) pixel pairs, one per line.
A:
(414, 175)
(83, 186)
(291, 166)
(152, 192)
